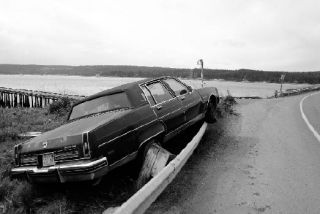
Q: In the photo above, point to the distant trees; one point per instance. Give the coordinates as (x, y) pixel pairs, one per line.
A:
(143, 71)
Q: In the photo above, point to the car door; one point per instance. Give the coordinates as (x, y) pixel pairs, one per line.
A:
(190, 99)
(167, 107)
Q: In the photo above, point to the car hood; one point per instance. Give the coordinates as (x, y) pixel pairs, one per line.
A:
(70, 133)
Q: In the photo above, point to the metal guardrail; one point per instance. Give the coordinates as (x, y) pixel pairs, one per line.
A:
(296, 91)
(142, 199)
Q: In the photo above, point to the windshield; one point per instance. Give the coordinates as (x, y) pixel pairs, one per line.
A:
(100, 104)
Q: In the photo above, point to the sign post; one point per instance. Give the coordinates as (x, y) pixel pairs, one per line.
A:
(200, 62)
(281, 81)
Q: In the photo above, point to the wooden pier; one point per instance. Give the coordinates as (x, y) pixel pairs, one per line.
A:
(12, 98)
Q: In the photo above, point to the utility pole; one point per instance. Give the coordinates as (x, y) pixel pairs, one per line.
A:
(200, 62)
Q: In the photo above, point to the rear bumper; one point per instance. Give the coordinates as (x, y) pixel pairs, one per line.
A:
(66, 172)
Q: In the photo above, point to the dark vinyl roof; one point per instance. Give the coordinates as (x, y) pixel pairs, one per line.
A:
(132, 90)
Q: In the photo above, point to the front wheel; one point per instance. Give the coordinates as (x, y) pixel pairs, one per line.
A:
(211, 112)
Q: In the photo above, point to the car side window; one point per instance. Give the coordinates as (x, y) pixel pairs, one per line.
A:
(159, 92)
(176, 86)
(148, 96)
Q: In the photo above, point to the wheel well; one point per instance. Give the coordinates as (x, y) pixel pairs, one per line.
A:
(155, 132)
(214, 99)
(158, 138)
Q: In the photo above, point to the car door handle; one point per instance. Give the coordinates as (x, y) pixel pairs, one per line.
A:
(159, 107)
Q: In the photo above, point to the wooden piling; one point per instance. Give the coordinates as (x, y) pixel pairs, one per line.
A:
(13, 98)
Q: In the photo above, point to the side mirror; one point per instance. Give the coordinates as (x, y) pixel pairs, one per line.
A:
(183, 91)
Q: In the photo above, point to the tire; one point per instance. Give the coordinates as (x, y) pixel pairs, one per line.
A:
(211, 112)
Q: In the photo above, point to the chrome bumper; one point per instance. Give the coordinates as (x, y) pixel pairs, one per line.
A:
(65, 172)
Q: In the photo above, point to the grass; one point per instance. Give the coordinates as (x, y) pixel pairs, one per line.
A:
(18, 196)
(14, 121)
(225, 106)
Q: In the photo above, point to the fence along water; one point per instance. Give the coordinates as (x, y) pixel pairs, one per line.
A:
(12, 98)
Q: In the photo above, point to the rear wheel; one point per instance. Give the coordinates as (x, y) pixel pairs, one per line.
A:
(211, 112)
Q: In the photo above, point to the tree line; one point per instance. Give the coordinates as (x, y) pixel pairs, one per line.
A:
(144, 71)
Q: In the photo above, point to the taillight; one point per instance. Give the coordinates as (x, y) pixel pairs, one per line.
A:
(86, 147)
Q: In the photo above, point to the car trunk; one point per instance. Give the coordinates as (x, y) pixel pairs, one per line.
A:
(66, 141)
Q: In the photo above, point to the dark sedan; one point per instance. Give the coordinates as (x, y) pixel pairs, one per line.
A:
(111, 128)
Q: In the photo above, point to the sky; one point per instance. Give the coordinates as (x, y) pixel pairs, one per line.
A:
(275, 35)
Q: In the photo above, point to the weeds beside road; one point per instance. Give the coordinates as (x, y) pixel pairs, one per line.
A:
(17, 196)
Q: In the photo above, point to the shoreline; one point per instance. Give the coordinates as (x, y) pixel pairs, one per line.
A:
(142, 77)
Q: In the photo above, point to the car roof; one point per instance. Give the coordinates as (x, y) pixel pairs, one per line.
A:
(132, 89)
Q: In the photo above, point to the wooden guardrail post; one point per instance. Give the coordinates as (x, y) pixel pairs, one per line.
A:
(155, 160)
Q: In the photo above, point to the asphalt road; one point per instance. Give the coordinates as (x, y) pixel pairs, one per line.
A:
(265, 160)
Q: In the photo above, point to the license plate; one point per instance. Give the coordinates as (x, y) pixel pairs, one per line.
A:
(48, 159)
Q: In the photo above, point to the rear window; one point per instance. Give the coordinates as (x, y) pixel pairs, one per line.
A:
(100, 104)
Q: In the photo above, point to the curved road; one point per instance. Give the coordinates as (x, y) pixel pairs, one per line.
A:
(265, 160)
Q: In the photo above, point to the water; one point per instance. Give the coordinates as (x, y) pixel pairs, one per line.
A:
(79, 85)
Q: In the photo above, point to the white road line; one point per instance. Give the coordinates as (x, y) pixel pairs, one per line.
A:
(315, 133)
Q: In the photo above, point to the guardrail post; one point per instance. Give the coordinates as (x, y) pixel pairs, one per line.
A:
(154, 161)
